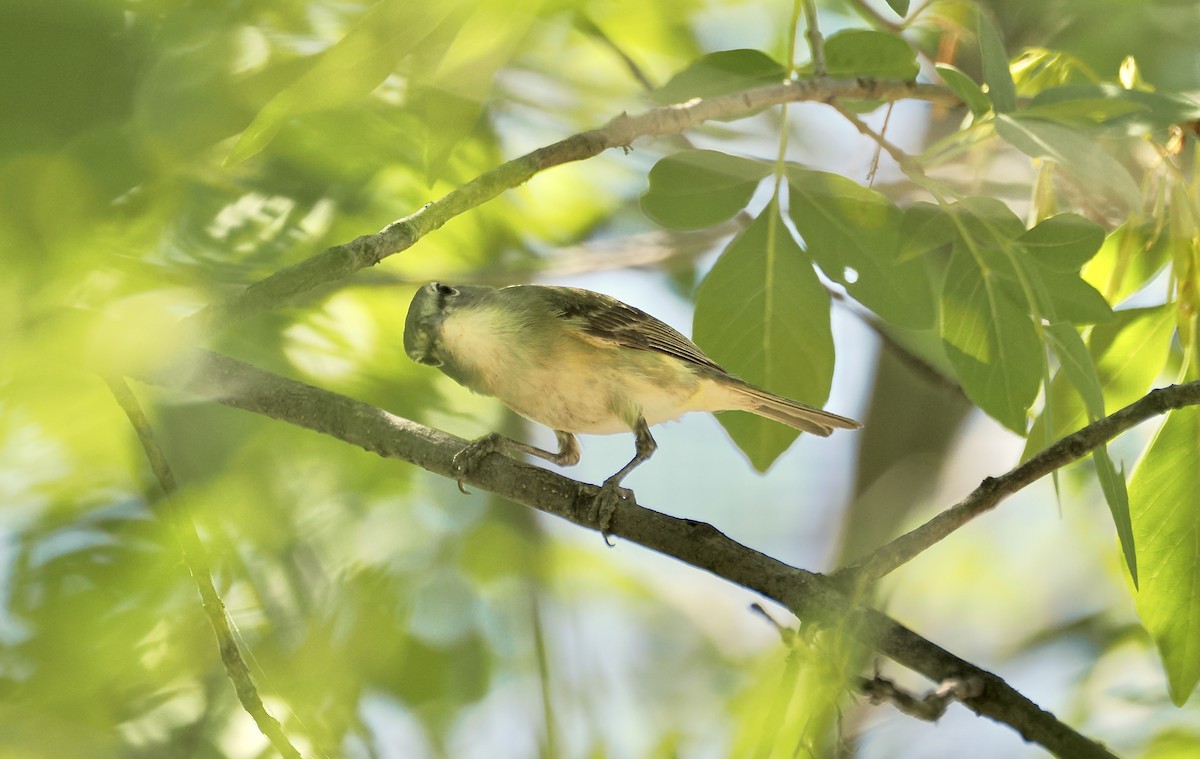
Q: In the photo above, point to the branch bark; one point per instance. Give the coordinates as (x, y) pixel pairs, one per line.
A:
(345, 259)
(993, 490)
(809, 596)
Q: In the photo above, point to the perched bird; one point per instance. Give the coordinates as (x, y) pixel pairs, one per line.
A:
(580, 362)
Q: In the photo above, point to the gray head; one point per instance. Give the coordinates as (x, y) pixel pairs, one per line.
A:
(431, 304)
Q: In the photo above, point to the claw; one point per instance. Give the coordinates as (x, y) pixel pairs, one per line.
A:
(605, 506)
(471, 456)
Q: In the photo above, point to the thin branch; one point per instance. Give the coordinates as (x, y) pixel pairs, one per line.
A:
(816, 43)
(906, 162)
(196, 559)
(993, 490)
(809, 596)
(587, 26)
(345, 259)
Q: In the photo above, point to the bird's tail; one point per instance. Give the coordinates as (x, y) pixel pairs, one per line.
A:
(792, 413)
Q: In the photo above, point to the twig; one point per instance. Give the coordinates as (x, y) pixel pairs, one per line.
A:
(993, 490)
(807, 595)
(906, 162)
(196, 559)
(816, 43)
(345, 259)
(587, 26)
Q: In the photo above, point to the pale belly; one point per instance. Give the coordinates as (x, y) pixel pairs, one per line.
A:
(577, 386)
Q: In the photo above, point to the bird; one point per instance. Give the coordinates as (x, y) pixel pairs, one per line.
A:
(580, 362)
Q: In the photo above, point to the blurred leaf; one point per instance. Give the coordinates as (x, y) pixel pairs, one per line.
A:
(1037, 69)
(853, 233)
(996, 74)
(1174, 743)
(990, 341)
(899, 6)
(1166, 521)
(1072, 150)
(865, 52)
(1064, 242)
(721, 73)
(965, 87)
(1108, 104)
(700, 188)
(349, 70)
(763, 314)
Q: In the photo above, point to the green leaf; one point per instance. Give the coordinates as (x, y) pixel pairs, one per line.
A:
(1064, 242)
(1110, 105)
(349, 70)
(990, 341)
(864, 52)
(899, 6)
(1166, 521)
(1112, 484)
(924, 227)
(1072, 150)
(853, 233)
(721, 73)
(1130, 257)
(965, 87)
(1129, 354)
(699, 188)
(1066, 297)
(996, 73)
(1077, 366)
(763, 314)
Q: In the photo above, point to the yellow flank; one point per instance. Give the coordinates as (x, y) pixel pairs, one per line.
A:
(565, 381)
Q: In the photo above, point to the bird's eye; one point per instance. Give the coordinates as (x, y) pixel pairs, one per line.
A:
(445, 290)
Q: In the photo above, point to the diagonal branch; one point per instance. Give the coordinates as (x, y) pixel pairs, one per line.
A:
(809, 596)
(345, 259)
(993, 490)
(196, 559)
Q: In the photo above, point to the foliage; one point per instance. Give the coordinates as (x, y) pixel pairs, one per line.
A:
(1040, 250)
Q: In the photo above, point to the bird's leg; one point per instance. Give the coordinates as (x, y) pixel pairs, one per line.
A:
(611, 491)
(476, 451)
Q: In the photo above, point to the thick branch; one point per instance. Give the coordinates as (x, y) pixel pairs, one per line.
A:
(196, 559)
(993, 490)
(343, 260)
(810, 596)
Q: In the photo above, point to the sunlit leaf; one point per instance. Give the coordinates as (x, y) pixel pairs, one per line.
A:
(763, 314)
(699, 188)
(1130, 257)
(1166, 521)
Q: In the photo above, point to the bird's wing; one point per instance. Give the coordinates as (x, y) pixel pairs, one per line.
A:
(607, 320)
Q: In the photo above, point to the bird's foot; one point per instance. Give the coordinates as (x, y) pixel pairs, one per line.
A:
(466, 460)
(604, 506)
